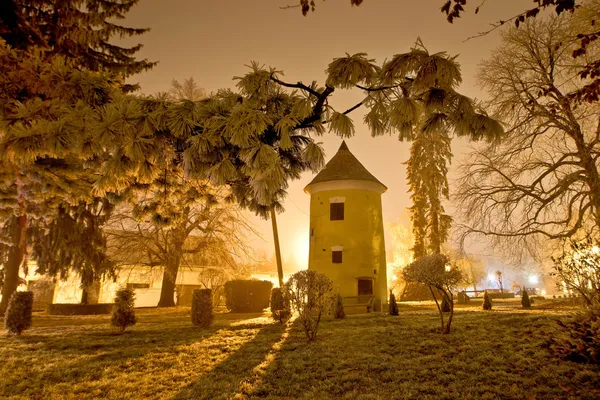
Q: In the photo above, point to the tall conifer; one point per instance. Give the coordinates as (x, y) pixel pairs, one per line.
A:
(71, 38)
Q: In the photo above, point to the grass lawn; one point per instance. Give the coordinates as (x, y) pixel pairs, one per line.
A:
(493, 355)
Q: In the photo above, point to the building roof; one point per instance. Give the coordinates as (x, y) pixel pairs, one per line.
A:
(344, 167)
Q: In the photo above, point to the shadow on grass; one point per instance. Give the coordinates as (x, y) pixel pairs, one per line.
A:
(51, 357)
(223, 380)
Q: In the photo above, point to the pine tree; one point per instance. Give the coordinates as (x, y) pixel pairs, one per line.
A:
(52, 35)
(339, 307)
(487, 301)
(123, 314)
(76, 29)
(525, 301)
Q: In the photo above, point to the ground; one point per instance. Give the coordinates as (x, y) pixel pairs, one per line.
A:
(494, 355)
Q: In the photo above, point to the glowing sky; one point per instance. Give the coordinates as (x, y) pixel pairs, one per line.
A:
(212, 41)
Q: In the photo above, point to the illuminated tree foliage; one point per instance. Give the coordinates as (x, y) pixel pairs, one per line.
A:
(434, 271)
(578, 269)
(263, 135)
(587, 34)
(57, 69)
(172, 221)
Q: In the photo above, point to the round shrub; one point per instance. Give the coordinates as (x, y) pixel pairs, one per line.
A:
(487, 301)
(339, 312)
(280, 305)
(393, 310)
(123, 314)
(18, 313)
(246, 296)
(202, 308)
(525, 301)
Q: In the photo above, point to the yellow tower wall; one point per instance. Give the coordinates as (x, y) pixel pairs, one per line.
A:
(360, 234)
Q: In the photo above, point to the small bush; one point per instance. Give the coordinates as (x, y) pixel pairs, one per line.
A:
(525, 301)
(393, 310)
(578, 339)
(280, 305)
(202, 308)
(246, 296)
(445, 304)
(309, 293)
(339, 312)
(18, 313)
(123, 314)
(487, 301)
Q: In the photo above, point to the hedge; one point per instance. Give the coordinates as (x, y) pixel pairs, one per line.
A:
(79, 309)
(245, 296)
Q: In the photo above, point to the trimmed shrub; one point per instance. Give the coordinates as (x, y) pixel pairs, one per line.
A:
(202, 308)
(445, 304)
(463, 298)
(525, 302)
(393, 309)
(123, 314)
(246, 296)
(280, 305)
(18, 312)
(339, 312)
(487, 301)
(578, 339)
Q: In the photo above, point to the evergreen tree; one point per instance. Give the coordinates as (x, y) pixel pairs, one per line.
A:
(339, 312)
(487, 301)
(123, 314)
(80, 30)
(73, 241)
(48, 36)
(525, 301)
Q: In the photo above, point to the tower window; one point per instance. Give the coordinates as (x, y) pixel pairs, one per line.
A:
(336, 211)
(336, 256)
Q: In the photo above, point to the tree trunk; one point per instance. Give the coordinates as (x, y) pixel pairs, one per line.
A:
(91, 293)
(447, 328)
(167, 290)
(13, 264)
(277, 248)
(438, 307)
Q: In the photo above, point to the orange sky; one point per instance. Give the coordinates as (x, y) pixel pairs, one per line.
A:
(212, 41)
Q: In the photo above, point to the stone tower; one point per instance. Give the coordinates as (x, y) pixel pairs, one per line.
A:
(346, 228)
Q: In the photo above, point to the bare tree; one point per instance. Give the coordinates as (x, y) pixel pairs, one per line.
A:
(166, 227)
(542, 181)
(214, 279)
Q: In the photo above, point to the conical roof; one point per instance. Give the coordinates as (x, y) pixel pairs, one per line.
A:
(344, 167)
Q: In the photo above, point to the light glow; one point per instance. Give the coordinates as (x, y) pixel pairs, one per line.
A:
(301, 246)
(533, 279)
